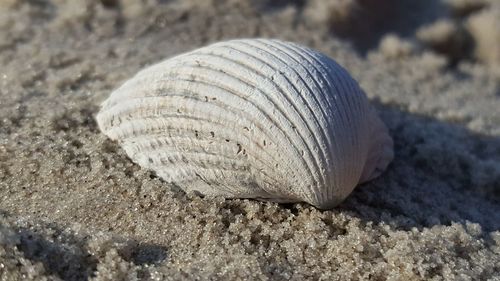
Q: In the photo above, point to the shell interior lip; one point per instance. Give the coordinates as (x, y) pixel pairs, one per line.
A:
(250, 118)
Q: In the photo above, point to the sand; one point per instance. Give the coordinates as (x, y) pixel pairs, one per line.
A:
(74, 207)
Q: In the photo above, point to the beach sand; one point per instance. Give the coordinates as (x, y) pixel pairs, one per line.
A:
(74, 207)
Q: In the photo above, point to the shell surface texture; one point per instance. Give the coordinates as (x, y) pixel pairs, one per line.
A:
(251, 118)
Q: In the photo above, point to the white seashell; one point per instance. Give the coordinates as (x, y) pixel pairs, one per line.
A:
(251, 118)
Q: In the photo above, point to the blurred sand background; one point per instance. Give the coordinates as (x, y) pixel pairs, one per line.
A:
(74, 207)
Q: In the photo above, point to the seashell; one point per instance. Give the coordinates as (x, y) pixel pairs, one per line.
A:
(251, 118)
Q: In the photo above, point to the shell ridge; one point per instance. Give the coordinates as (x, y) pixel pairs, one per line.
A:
(184, 173)
(363, 107)
(190, 96)
(152, 119)
(324, 99)
(276, 86)
(146, 147)
(253, 100)
(295, 101)
(172, 157)
(322, 142)
(294, 104)
(340, 87)
(192, 178)
(146, 76)
(353, 109)
(337, 101)
(204, 159)
(337, 89)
